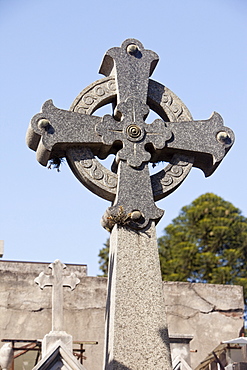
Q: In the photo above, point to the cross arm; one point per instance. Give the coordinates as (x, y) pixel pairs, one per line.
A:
(70, 280)
(207, 141)
(57, 276)
(44, 280)
(53, 130)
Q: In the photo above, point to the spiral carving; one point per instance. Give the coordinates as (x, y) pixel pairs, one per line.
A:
(172, 175)
(97, 173)
(133, 131)
(82, 161)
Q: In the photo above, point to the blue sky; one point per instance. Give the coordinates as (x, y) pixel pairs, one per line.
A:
(52, 49)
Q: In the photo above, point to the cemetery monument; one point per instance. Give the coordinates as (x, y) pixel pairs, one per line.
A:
(136, 331)
(57, 345)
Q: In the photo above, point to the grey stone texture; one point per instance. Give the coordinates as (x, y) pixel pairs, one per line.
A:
(209, 313)
(56, 133)
(136, 328)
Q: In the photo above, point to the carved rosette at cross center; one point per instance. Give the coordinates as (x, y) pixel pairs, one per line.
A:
(133, 132)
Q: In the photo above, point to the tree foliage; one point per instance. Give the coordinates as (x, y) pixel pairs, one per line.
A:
(104, 258)
(206, 243)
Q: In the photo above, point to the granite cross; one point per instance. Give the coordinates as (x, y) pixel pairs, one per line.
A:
(136, 331)
(54, 131)
(57, 280)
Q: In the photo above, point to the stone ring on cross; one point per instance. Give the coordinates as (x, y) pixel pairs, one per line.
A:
(81, 137)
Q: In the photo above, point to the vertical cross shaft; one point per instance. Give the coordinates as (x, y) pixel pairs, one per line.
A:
(133, 66)
(136, 331)
(57, 297)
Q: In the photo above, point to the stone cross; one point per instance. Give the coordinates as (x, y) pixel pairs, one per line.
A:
(54, 131)
(57, 280)
(136, 330)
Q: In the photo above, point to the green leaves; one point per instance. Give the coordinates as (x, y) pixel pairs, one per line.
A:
(207, 242)
(104, 258)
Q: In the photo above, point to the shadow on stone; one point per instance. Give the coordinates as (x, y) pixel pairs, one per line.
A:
(114, 365)
(163, 332)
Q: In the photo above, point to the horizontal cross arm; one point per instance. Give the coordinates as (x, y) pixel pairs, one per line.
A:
(70, 280)
(53, 130)
(207, 141)
(44, 280)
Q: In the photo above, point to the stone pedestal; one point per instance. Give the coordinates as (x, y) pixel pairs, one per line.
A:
(136, 329)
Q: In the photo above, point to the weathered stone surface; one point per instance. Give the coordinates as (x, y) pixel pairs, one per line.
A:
(208, 312)
(25, 311)
(136, 328)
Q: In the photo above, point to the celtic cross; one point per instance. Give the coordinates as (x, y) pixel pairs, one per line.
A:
(56, 133)
(136, 330)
